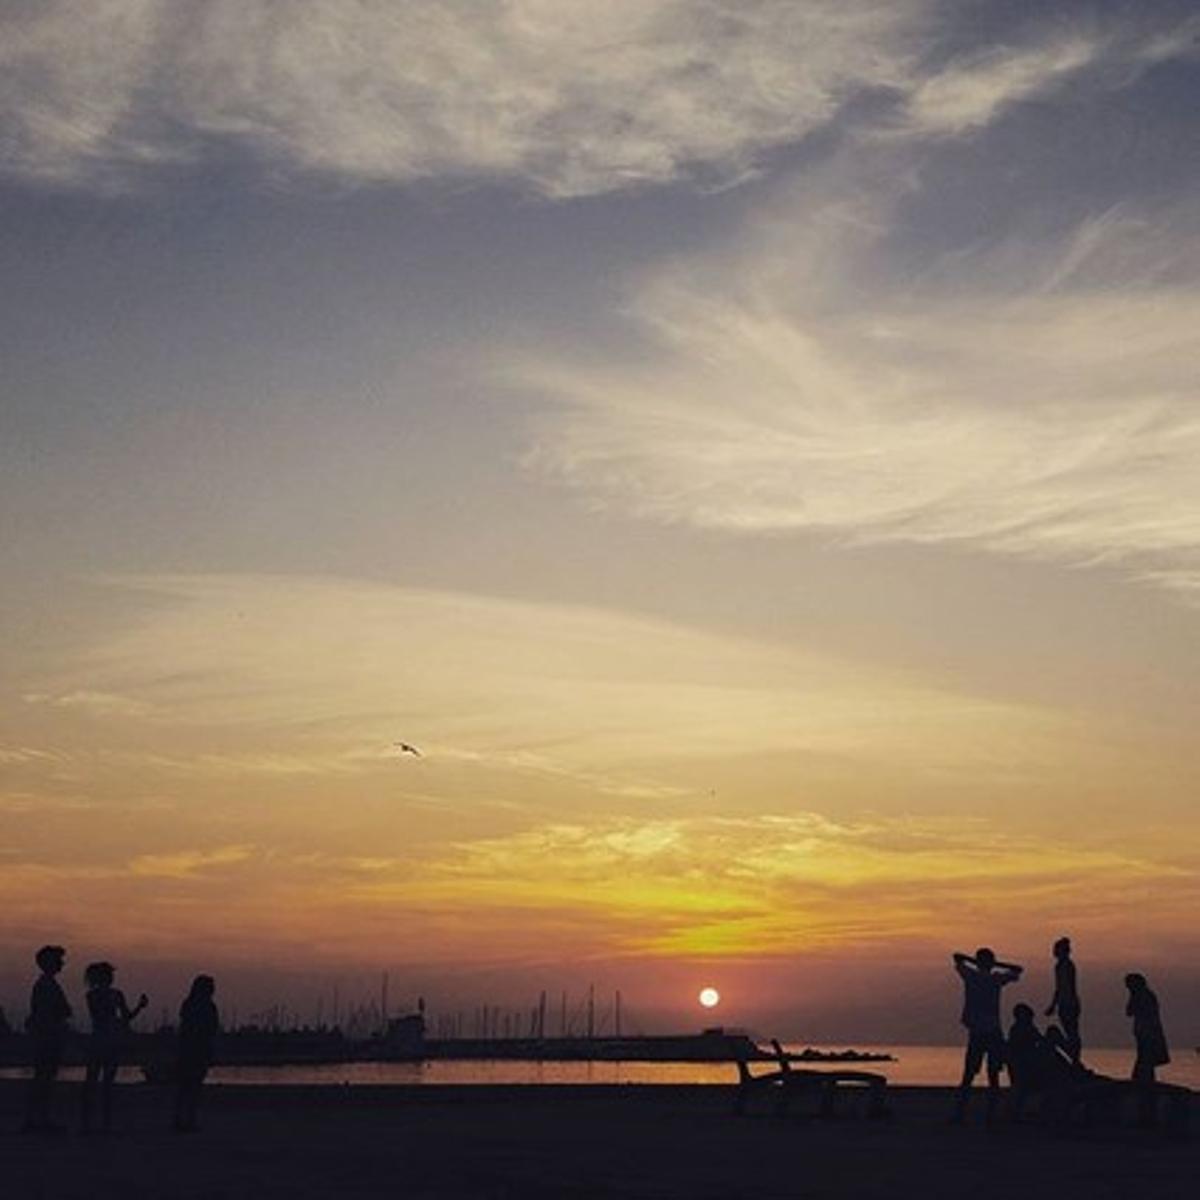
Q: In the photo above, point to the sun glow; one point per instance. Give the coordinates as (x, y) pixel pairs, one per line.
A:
(710, 997)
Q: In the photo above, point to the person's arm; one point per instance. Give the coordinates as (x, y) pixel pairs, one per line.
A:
(1053, 1006)
(128, 1014)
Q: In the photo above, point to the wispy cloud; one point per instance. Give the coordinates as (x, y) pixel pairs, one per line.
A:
(104, 704)
(564, 97)
(186, 864)
(27, 755)
(40, 801)
(1032, 394)
(322, 676)
(568, 98)
(970, 92)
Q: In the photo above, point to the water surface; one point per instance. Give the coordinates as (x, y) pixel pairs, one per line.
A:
(914, 1065)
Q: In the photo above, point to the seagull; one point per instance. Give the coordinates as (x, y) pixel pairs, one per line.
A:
(405, 748)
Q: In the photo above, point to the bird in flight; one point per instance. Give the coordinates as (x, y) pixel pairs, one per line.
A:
(405, 748)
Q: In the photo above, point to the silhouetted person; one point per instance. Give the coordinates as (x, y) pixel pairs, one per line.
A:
(1150, 1039)
(1065, 1002)
(983, 977)
(49, 1014)
(111, 1016)
(1025, 1057)
(198, 1027)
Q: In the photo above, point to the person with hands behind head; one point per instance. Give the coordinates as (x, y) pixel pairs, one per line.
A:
(983, 977)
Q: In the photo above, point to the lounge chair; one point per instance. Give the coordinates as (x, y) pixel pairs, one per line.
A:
(786, 1081)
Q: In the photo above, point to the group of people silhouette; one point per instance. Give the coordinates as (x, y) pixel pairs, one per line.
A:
(111, 1016)
(1035, 1059)
(1039, 1060)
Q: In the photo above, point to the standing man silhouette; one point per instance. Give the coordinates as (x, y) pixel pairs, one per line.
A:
(983, 978)
(49, 1014)
(1066, 997)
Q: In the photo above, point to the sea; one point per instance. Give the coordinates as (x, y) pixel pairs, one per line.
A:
(913, 1065)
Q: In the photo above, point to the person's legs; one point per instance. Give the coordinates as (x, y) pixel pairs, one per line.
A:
(1023, 1081)
(36, 1103)
(187, 1098)
(197, 1088)
(87, 1096)
(1144, 1077)
(1018, 1097)
(972, 1061)
(1071, 1037)
(995, 1064)
(181, 1106)
(180, 1121)
(47, 1053)
(107, 1079)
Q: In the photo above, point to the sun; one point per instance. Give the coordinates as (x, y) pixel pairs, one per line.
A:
(710, 997)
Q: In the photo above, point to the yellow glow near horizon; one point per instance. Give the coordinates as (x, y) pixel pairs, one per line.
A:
(592, 784)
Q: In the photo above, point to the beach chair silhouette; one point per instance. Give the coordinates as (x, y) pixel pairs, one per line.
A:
(786, 1082)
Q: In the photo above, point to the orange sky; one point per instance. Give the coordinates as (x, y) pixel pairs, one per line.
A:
(597, 796)
(754, 457)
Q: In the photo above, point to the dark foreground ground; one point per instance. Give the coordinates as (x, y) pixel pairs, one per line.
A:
(505, 1143)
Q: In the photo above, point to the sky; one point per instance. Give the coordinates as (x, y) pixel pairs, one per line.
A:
(749, 449)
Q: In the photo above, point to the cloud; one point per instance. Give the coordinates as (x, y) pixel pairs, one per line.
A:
(100, 704)
(329, 673)
(970, 92)
(584, 888)
(1031, 394)
(562, 97)
(27, 756)
(187, 864)
(782, 883)
(567, 98)
(34, 802)
(1093, 49)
